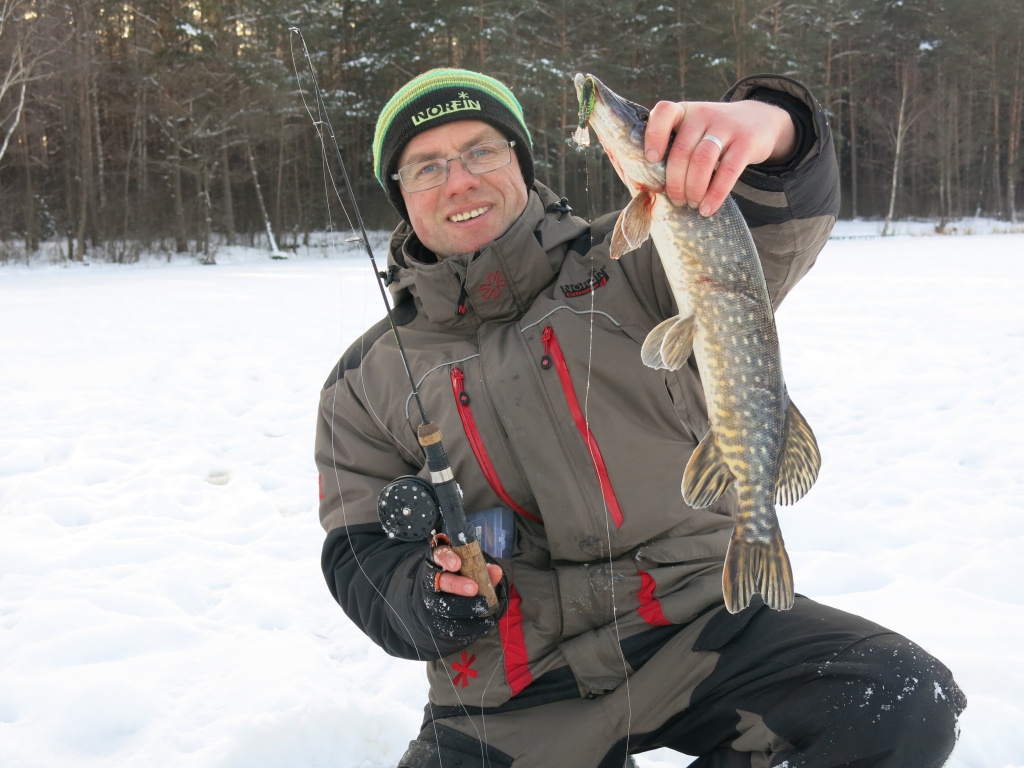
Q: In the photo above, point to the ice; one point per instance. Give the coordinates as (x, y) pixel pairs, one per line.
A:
(161, 600)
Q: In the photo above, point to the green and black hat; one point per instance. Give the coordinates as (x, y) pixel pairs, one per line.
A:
(443, 96)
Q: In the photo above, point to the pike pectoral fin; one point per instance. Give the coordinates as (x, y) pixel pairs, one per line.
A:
(754, 567)
(800, 460)
(633, 226)
(669, 344)
(706, 476)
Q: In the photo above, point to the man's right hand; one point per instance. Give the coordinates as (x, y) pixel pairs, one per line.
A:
(455, 614)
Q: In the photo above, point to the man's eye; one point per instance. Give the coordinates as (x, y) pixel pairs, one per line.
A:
(428, 169)
(481, 153)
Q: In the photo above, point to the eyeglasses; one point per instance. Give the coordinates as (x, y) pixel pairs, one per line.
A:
(427, 174)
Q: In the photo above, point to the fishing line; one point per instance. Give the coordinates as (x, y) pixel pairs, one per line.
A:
(586, 417)
(325, 133)
(320, 124)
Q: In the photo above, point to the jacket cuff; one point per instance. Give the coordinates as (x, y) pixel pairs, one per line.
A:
(803, 109)
(809, 179)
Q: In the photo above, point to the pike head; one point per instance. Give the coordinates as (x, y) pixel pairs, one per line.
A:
(620, 126)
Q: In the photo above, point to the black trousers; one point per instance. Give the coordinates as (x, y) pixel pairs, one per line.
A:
(812, 686)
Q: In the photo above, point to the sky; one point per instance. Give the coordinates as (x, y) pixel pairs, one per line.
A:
(161, 600)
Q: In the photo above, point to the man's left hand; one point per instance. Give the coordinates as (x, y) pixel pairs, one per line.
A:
(698, 173)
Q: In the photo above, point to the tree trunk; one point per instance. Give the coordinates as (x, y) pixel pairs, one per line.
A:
(682, 50)
(101, 193)
(31, 228)
(901, 129)
(177, 192)
(274, 250)
(851, 109)
(944, 151)
(279, 187)
(997, 139)
(204, 175)
(739, 28)
(1013, 140)
(229, 203)
(86, 187)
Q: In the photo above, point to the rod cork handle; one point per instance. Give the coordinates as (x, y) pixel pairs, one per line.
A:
(449, 498)
(475, 567)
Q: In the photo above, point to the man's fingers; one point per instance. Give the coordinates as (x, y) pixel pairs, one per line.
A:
(722, 182)
(455, 584)
(712, 145)
(449, 580)
(663, 120)
(445, 557)
(703, 161)
(494, 572)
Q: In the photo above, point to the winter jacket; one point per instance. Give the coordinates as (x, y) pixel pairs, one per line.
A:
(527, 356)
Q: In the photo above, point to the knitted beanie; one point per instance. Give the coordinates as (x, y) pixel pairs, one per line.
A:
(443, 96)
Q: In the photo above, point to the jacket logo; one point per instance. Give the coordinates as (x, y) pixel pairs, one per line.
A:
(598, 278)
(493, 286)
(455, 105)
(465, 670)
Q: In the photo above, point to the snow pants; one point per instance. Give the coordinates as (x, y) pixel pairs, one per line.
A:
(813, 687)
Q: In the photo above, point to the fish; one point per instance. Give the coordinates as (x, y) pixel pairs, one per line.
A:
(757, 440)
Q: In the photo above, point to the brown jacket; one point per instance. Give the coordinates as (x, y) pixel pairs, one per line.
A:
(546, 409)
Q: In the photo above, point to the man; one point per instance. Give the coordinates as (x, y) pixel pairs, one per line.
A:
(524, 338)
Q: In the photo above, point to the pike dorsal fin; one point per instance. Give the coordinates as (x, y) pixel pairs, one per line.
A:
(669, 344)
(800, 460)
(634, 224)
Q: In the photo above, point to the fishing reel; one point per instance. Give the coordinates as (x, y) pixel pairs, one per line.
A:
(408, 509)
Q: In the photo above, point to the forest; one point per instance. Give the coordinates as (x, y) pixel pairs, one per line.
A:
(171, 126)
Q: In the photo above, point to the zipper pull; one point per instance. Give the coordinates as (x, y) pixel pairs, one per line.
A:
(458, 380)
(546, 336)
(460, 306)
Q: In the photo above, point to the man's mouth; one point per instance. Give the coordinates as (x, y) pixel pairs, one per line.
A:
(467, 215)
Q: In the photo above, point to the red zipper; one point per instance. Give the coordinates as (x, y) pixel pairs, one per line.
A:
(477, 444)
(553, 354)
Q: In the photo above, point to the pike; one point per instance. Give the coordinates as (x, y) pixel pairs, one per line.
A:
(758, 440)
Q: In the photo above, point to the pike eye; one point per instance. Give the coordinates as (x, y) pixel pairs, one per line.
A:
(645, 116)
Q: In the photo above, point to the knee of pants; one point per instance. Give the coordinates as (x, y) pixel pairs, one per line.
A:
(888, 694)
(901, 679)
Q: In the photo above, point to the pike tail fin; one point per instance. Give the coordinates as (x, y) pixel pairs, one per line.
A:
(752, 567)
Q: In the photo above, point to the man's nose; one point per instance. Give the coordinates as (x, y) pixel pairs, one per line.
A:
(459, 177)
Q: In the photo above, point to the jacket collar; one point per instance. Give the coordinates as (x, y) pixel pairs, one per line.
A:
(497, 283)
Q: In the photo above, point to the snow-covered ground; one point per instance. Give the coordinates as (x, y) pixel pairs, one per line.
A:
(161, 602)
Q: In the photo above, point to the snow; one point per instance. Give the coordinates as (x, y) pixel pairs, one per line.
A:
(161, 601)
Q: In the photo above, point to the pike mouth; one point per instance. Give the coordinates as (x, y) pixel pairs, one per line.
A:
(467, 215)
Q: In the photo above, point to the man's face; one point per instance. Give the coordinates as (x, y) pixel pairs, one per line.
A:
(466, 212)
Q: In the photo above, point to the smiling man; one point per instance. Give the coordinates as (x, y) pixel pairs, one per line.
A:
(525, 337)
(462, 186)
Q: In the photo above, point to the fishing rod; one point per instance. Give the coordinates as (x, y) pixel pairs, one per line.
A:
(409, 508)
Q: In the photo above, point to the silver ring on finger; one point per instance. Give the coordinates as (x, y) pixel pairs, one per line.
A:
(714, 140)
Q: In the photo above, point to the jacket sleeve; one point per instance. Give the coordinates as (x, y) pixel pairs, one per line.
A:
(368, 573)
(365, 572)
(790, 208)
